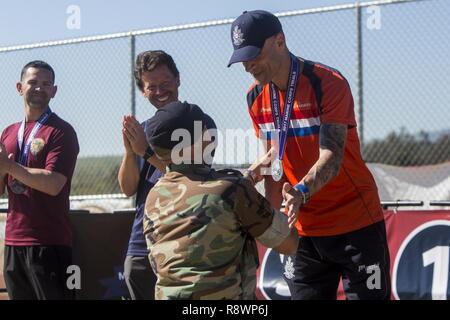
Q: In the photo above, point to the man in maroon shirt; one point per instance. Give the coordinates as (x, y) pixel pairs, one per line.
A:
(37, 160)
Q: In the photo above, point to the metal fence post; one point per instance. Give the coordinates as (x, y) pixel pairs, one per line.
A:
(133, 86)
(359, 72)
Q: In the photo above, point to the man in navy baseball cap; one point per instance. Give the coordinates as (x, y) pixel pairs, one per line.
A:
(249, 32)
(320, 174)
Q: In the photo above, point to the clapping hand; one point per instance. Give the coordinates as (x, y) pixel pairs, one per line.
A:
(5, 160)
(134, 136)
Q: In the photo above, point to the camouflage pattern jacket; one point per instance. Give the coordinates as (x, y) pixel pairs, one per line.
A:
(200, 225)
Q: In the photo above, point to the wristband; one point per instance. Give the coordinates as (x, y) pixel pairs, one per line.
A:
(148, 153)
(303, 190)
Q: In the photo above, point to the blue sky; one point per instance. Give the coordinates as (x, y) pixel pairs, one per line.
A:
(25, 21)
(406, 63)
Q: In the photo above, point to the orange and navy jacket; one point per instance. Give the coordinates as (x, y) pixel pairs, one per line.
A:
(349, 201)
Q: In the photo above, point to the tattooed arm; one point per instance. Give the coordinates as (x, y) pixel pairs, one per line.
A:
(332, 144)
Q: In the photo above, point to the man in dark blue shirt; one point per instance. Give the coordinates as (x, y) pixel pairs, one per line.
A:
(157, 77)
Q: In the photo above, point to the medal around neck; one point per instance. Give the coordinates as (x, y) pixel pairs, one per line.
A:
(277, 170)
(17, 187)
(281, 120)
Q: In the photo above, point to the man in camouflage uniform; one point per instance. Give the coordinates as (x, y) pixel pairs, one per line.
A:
(200, 224)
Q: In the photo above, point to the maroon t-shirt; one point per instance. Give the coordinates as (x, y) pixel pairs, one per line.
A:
(34, 217)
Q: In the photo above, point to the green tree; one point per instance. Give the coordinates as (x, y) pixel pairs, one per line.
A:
(404, 149)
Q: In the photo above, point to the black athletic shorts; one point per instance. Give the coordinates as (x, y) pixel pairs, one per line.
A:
(37, 272)
(360, 257)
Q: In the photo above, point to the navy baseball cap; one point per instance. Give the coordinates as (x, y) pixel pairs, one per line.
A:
(249, 32)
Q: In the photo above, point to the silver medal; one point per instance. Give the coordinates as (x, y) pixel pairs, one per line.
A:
(17, 187)
(277, 170)
(281, 121)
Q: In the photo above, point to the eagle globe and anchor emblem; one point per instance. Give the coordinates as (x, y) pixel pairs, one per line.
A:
(238, 36)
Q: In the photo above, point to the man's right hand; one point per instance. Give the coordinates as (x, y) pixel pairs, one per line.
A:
(5, 161)
(135, 134)
(126, 142)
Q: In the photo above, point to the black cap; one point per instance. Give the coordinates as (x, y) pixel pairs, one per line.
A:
(173, 116)
(249, 32)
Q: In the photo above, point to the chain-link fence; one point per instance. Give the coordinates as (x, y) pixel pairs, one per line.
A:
(393, 53)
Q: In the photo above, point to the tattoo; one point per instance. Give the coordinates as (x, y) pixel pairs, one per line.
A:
(332, 138)
(332, 144)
